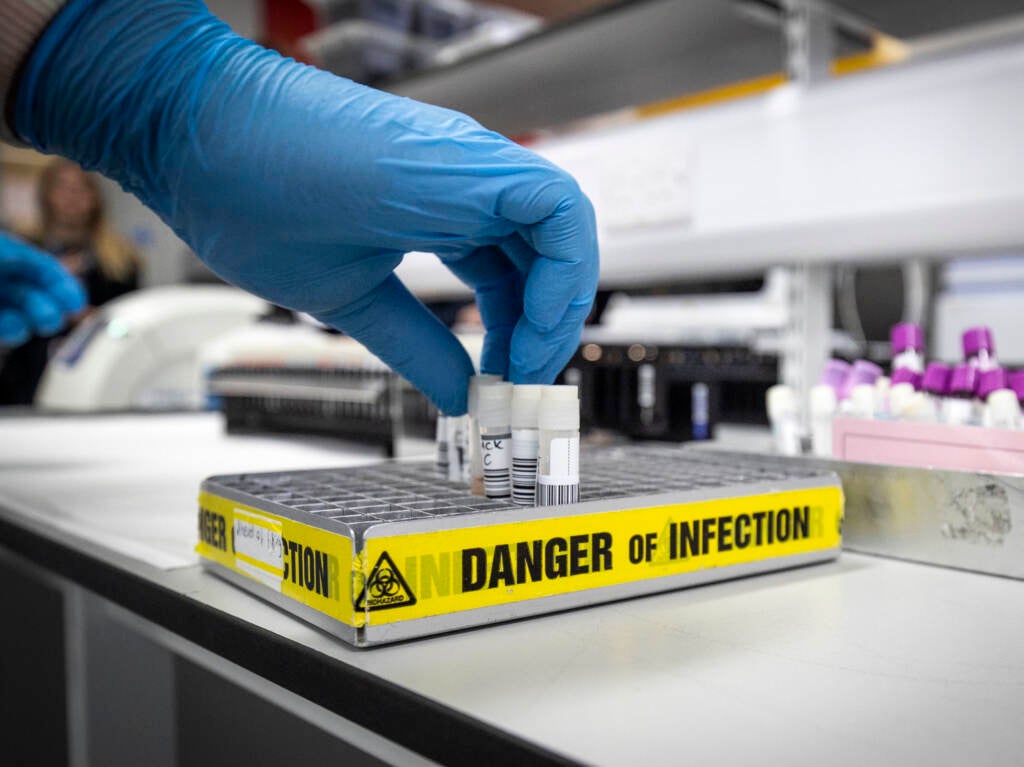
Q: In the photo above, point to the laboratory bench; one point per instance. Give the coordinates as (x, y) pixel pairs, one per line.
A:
(118, 648)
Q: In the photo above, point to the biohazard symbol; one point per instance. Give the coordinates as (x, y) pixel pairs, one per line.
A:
(385, 588)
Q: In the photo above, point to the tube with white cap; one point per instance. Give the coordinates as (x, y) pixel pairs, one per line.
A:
(441, 462)
(882, 386)
(905, 384)
(525, 442)
(493, 409)
(558, 421)
(824, 399)
(784, 416)
(862, 401)
(476, 469)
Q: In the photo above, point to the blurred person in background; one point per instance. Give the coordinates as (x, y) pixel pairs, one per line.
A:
(72, 227)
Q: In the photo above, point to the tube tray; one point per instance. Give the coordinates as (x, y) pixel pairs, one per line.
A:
(388, 552)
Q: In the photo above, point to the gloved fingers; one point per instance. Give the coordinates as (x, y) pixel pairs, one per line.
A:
(13, 329)
(539, 356)
(499, 296)
(552, 287)
(402, 332)
(22, 262)
(38, 308)
(559, 225)
(519, 252)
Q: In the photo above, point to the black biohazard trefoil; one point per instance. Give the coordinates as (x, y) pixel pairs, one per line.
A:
(385, 588)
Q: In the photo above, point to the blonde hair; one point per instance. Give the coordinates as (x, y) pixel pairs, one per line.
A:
(116, 257)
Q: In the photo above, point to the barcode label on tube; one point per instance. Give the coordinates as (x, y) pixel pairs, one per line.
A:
(524, 481)
(496, 453)
(557, 494)
(525, 444)
(442, 459)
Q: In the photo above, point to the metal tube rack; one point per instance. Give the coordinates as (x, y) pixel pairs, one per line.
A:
(389, 552)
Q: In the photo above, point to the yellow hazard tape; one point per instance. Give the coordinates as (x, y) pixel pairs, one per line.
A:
(305, 563)
(403, 577)
(455, 570)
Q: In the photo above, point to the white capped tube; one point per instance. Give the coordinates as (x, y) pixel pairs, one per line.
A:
(558, 421)
(901, 397)
(476, 469)
(1002, 410)
(458, 448)
(525, 442)
(919, 408)
(862, 401)
(441, 461)
(784, 416)
(882, 386)
(823, 408)
(493, 413)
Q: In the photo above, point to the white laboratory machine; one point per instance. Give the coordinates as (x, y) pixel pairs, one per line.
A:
(141, 351)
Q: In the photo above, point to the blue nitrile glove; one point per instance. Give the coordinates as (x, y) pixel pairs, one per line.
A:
(36, 293)
(307, 189)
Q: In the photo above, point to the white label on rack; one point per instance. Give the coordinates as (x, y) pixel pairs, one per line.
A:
(259, 546)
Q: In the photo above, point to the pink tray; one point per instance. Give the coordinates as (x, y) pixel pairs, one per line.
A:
(928, 445)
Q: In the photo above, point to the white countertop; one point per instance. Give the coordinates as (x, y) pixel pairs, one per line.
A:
(861, 661)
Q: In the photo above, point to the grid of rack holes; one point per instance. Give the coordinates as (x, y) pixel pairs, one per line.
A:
(362, 496)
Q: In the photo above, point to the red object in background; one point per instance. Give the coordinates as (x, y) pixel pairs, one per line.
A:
(524, 139)
(284, 22)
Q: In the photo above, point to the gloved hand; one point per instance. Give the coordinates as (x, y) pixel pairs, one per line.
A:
(36, 293)
(307, 189)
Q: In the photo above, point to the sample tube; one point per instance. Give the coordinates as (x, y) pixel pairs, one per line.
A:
(525, 443)
(823, 408)
(882, 386)
(784, 416)
(441, 462)
(493, 406)
(1017, 384)
(959, 408)
(458, 448)
(862, 401)
(834, 374)
(476, 470)
(824, 399)
(646, 392)
(1000, 409)
(907, 346)
(905, 384)
(979, 348)
(861, 372)
(558, 421)
(935, 386)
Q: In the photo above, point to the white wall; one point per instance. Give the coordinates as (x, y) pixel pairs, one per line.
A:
(918, 160)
